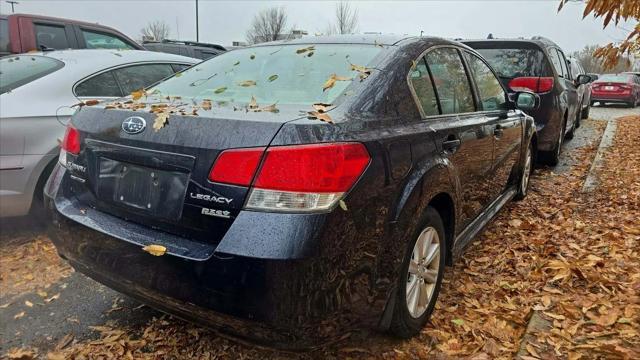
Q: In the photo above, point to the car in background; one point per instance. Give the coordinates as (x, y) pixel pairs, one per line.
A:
(635, 73)
(21, 33)
(616, 88)
(584, 90)
(539, 65)
(192, 49)
(37, 92)
(300, 206)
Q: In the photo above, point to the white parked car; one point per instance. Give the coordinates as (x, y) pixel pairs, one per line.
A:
(37, 92)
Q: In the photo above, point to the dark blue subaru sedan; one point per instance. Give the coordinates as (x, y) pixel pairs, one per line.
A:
(291, 191)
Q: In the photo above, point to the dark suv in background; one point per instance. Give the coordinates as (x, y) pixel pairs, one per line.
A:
(192, 49)
(539, 65)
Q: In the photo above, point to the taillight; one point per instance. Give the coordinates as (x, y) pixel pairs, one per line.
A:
(536, 84)
(307, 177)
(293, 178)
(236, 166)
(625, 87)
(70, 144)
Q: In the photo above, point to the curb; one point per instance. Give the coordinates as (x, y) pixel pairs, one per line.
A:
(591, 182)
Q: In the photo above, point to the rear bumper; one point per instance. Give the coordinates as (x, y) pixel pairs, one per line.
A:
(607, 97)
(282, 302)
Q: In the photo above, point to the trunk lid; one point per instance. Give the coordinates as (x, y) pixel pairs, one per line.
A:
(160, 178)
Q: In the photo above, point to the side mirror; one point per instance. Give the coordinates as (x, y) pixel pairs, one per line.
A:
(583, 79)
(527, 101)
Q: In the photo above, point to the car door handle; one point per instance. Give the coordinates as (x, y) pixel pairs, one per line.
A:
(451, 144)
(498, 131)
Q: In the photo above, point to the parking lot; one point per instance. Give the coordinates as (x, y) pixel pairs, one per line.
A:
(485, 308)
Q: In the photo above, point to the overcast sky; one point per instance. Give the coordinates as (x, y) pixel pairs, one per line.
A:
(225, 21)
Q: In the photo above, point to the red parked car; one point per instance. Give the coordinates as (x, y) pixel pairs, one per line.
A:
(20, 33)
(612, 88)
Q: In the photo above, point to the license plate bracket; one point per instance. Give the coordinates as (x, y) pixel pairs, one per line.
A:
(158, 193)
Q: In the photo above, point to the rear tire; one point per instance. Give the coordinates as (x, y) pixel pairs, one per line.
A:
(585, 112)
(525, 176)
(418, 286)
(38, 211)
(552, 157)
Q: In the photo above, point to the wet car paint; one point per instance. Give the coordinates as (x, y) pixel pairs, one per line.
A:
(287, 280)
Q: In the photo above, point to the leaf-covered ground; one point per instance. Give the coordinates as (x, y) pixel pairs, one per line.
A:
(554, 276)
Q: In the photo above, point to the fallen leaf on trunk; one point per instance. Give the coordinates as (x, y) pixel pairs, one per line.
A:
(136, 95)
(320, 116)
(155, 250)
(160, 120)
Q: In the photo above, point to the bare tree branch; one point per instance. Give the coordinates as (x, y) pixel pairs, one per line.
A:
(156, 30)
(267, 25)
(346, 18)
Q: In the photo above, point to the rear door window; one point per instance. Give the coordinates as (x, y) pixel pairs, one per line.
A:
(51, 36)
(99, 40)
(19, 70)
(514, 62)
(102, 85)
(451, 82)
(563, 65)
(4, 37)
(423, 87)
(136, 77)
(491, 93)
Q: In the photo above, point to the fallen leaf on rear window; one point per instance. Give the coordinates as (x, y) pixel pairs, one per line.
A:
(320, 116)
(363, 72)
(247, 83)
(236, 63)
(155, 250)
(310, 54)
(86, 103)
(160, 121)
(304, 50)
(321, 107)
(332, 81)
(253, 56)
(270, 108)
(273, 77)
(220, 90)
(206, 104)
(136, 95)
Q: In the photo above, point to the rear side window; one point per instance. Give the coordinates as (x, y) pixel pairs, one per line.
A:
(141, 76)
(490, 91)
(97, 40)
(51, 36)
(103, 85)
(4, 36)
(423, 87)
(16, 71)
(451, 81)
(511, 63)
(563, 65)
(179, 67)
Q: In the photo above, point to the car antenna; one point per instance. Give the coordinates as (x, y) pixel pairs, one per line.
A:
(490, 36)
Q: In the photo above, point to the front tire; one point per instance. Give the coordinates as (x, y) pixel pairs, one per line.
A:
(552, 158)
(420, 277)
(525, 176)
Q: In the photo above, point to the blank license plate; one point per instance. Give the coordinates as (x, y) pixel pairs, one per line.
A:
(609, 88)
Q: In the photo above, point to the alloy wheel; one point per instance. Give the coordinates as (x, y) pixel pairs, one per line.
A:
(424, 267)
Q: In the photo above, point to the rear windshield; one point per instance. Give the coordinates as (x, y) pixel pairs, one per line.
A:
(286, 74)
(614, 78)
(19, 70)
(513, 62)
(4, 36)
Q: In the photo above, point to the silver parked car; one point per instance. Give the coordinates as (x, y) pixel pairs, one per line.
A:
(37, 92)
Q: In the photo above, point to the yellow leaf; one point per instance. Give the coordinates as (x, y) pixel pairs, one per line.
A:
(332, 81)
(18, 315)
(206, 104)
(247, 83)
(320, 116)
(136, 95)
(155, 250)
(160, 121)
(28, 303)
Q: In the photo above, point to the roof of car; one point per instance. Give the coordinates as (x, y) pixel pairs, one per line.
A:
(536, 39)
(104, 58)
(372, 39)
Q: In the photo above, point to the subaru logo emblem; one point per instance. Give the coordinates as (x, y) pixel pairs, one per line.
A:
(133, 125)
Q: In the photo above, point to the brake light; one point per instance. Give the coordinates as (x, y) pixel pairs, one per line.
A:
(293, 178)
(236, 167)
(71, 141)
(535, 84)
